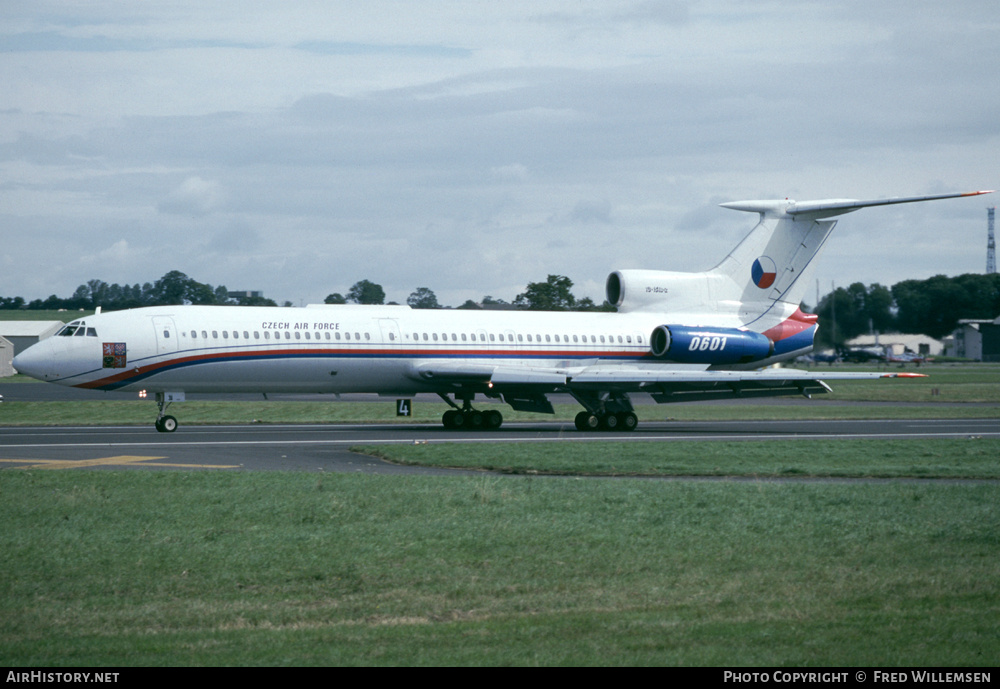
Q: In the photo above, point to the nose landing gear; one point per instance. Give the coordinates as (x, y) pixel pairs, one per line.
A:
(164, 422)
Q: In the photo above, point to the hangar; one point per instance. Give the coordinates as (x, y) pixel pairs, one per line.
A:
(16, 336)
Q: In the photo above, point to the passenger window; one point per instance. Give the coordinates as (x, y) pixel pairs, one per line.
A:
(288, 335)
(548, 338)
(225, 334)
(347, 336)
(204, 334)
(463, 337)
(246, 335)
(308, 335)
(575, 339)
(215, 334)
(327, 333)
(256, 334)
(236, 334)
(194, 334)
(267, 334)
(357, 336)
(501, 337)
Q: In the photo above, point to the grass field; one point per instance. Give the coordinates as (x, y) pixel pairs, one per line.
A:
(178, 568)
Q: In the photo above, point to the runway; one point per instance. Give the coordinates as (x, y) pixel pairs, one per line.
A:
(327, 447)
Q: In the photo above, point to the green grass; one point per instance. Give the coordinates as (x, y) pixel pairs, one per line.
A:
(135, 568)
(906, 458)
(115, 413)
(41, 315)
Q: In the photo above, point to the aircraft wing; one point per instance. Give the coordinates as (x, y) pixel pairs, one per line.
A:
(665, 384)
(684, 386)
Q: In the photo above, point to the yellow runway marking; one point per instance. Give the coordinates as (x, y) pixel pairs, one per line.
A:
(120, 460)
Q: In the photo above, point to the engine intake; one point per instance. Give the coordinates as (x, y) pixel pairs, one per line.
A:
(691, 345)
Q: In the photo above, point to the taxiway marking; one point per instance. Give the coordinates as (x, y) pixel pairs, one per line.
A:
(118, 460)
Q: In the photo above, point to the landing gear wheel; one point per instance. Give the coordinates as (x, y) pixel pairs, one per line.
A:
(585, 421)
(609, 422)
(627, 421)
(492, 419)
(475, 420)
(453, 419)
(166, 424)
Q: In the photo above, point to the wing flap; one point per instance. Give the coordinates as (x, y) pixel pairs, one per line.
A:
(666, 385)
(506, 376)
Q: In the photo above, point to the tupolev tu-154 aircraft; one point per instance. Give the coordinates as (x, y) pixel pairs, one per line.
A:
(675, 336)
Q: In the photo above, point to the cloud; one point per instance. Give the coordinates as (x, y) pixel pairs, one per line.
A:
(194, 196)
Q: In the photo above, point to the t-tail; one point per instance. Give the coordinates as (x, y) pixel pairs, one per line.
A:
(759, 286)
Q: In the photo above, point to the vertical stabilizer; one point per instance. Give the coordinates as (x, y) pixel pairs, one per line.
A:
(770, 263)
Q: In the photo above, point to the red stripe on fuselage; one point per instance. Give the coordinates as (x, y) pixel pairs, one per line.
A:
(791, 326)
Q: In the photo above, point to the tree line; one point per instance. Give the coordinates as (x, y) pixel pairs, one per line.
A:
(929, 307)
(552, 295)
(173, 288)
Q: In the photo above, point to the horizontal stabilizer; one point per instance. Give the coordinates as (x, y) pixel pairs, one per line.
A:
(831, 207)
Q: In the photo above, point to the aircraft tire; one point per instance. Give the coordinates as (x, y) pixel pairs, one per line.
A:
(492, 419)
(453, 419)
(475, 420)
(166, 424)
(609, 422)
(627, 421)
(585, 421)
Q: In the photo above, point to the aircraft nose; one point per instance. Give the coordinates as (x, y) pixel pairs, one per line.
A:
(30, 362)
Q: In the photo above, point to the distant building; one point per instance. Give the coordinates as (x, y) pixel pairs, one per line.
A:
(23, 334)
(245, 294)
(976, 339)
(16, 336)
(898, 343)
(6, 357)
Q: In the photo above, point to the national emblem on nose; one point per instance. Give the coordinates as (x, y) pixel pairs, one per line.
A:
(114, 355)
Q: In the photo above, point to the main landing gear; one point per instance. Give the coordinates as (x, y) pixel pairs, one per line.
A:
(617, 421)
(465, 417)
(605, 411)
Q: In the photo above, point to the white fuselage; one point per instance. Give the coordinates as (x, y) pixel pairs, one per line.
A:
(320, 348)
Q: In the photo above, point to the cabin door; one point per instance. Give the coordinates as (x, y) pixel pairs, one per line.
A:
(166, 334)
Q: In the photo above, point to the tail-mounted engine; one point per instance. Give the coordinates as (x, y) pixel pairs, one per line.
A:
(692, 345)
(661, 290)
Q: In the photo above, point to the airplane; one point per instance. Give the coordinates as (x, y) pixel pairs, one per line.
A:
(675, 336)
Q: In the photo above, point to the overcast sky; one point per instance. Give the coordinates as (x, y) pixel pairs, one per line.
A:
(473, 147)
